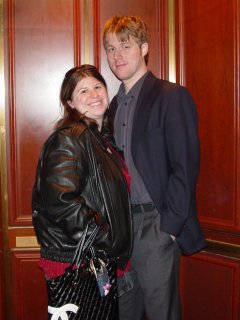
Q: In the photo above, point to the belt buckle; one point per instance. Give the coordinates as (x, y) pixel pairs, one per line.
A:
(143, 207)
(137, 208)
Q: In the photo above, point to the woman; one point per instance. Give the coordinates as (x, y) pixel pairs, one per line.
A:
(82, 181)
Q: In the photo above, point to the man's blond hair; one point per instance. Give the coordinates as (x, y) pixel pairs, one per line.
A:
(126, 27)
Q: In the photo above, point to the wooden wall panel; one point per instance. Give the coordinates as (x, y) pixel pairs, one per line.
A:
(42, 43)
(154, 14)
(210, 287)
(47, 37)
(1, 199)
(2, 291)
(208, 42)
(2, 282)
(41, 50)
(29, 295)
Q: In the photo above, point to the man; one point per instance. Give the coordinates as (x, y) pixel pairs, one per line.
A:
(156, 127)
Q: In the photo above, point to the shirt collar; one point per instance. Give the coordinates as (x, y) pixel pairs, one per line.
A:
(134, 91)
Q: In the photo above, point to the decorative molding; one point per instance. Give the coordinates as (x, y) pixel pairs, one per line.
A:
(3, 177)
(171, 41)
(3, 161)
(180, 50)
(77, 32)
(11, 165)
(237, 104)
(22, 238)
(224, 245)
(86, 32)
(96, 34)
(26, 242)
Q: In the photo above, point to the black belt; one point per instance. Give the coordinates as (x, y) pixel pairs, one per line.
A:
(144, 207)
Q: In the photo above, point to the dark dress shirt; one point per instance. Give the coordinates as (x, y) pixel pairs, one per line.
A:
(123, 131)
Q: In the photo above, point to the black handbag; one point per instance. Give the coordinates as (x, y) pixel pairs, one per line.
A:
(80, 293)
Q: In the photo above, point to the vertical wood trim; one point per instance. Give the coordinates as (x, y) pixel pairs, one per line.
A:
(171, 41)
(3, 161)
(77, 32)
(3, 175)
(11, 166)
(181, 60)
(91, 33)
(3, 165)
(3, 158)
(237, 105)
(163, 55)
(96, 34)
(86, 32)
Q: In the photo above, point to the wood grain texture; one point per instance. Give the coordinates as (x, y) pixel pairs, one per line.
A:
(210, 288)
(29, 294)
(41, 50)
(208, 42)
(44, 39)
(2, 285)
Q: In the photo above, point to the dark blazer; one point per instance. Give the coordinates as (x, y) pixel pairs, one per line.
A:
(165, 150)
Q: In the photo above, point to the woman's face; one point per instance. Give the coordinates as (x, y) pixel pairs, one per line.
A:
(90, 97)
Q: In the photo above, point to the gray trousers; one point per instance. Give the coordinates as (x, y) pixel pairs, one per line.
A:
(152, 282)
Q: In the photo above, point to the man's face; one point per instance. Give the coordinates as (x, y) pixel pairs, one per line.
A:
(126, 59)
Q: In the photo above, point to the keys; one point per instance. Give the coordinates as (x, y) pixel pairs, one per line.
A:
(99, 269)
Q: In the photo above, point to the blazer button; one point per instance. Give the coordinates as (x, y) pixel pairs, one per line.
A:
(35, 213)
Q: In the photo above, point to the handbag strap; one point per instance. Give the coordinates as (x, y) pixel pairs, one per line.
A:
(84, 246)
(88, 243)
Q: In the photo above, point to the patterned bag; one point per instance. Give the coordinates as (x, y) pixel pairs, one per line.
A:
(88, 288)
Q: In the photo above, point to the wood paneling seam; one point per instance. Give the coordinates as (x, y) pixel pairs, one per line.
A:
(171, 41)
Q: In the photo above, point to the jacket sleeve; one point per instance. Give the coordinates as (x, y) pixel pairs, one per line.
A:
(182, 144)
(63, 176)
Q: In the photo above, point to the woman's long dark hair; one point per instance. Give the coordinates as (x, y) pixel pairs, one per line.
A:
(71, 116)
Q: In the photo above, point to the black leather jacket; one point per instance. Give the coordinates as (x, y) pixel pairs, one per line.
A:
(76, 177)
